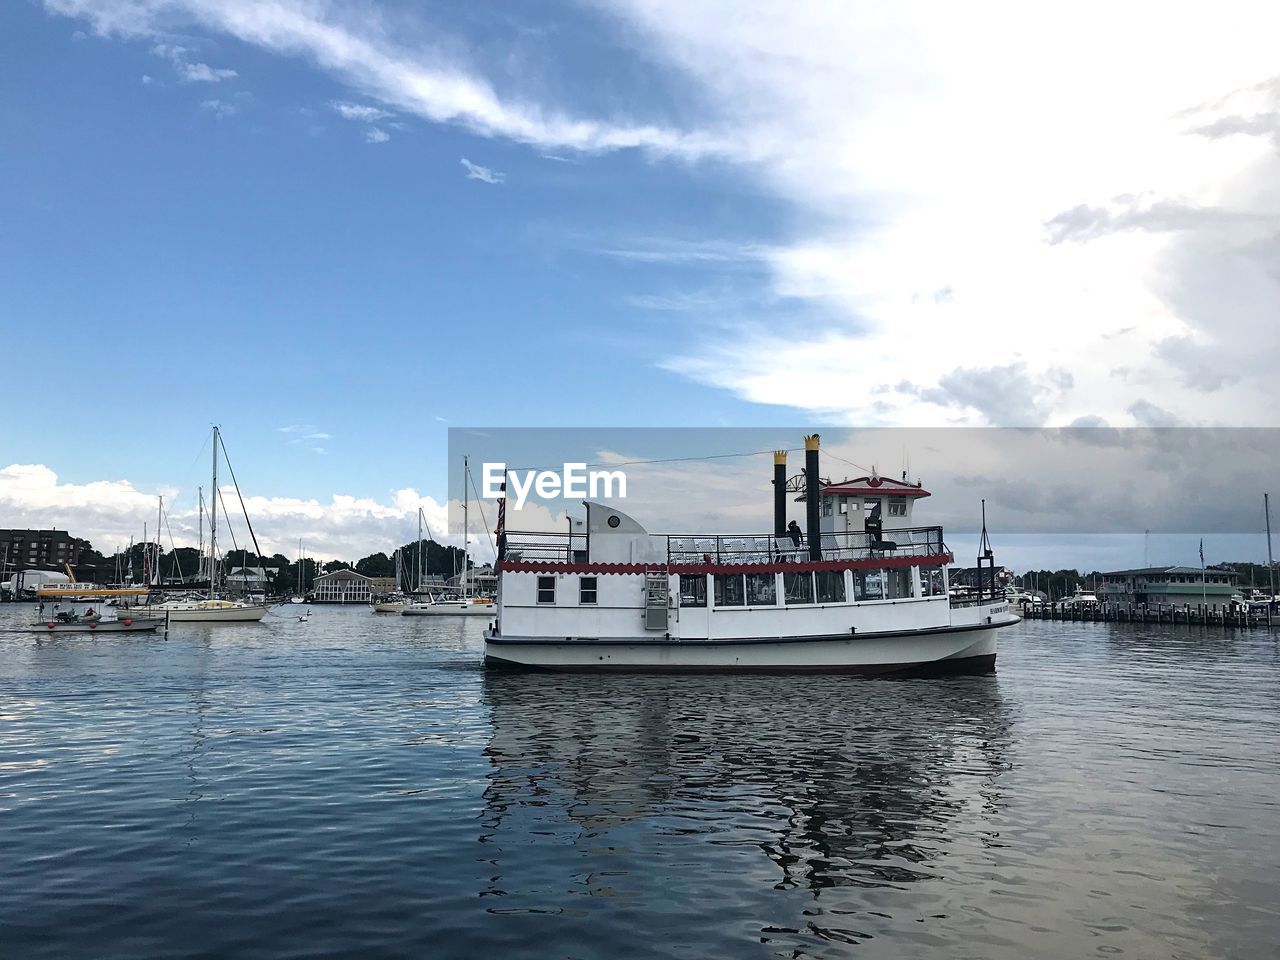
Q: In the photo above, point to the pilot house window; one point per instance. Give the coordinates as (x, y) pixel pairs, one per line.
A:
(897, 506)
(546, 589)
(587, 590)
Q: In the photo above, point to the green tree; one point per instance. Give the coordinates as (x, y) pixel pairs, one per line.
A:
(376, 565)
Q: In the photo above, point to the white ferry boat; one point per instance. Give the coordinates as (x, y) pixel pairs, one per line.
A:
(866, 592)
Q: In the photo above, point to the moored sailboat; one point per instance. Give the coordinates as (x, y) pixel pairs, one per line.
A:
(460, 603)
(213, 608)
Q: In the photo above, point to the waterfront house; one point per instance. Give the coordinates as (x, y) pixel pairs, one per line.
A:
(1170, 586)
(250, 579)
(342, 586)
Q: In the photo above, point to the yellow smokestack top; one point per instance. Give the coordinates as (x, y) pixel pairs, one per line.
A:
(779, 456)
(811, 442)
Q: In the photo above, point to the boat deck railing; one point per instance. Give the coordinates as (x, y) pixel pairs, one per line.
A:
(766, 548)
(696, 549)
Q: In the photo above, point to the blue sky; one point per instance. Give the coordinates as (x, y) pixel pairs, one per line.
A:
(340, 229)
(271, 267)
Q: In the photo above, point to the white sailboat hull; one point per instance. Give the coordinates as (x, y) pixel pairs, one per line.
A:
(944, 650)
(195, 612)
(450, 609)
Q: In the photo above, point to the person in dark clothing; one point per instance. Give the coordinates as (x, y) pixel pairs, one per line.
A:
(793, 530)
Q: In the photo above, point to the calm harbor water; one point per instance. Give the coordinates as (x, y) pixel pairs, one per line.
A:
(358, 785)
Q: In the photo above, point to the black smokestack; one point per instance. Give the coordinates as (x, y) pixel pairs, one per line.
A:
(779, 493)
(811, 496)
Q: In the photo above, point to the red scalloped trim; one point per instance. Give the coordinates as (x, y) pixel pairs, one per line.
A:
(883, 563)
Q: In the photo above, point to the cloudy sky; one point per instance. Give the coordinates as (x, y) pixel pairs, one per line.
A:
(340, 228)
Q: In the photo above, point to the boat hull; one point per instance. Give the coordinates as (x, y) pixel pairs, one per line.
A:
(104, 626)
(452, 610)
(208, 614)
(968, 649)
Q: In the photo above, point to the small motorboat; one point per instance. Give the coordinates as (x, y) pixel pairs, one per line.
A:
(88, 616)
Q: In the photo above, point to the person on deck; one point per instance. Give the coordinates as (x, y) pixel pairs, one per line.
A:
(793, 530)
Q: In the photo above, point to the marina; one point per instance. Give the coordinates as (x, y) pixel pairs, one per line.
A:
(356, 784)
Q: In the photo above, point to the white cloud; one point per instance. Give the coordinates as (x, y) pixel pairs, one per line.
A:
(938, 148)
(476, 172)
(376, 135)
(109, 513)
(219, 108)
(190, 71)
(423, 82)
(359, 111)
(306, 435)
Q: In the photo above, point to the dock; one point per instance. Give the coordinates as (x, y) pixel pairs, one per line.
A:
(1190, 614)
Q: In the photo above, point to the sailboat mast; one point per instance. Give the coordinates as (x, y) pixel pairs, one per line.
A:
(1271, 564)
(213, 522)
(155, 573)
(418, 587)
(466, 475)
(200, 509)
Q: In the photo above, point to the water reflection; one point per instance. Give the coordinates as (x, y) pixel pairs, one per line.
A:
(825, 782)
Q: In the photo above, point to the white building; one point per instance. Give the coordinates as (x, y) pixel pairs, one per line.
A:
(342, 586)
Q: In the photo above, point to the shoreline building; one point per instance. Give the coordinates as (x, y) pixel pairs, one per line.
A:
(37, 549)
(1170, 586)
(342, 586)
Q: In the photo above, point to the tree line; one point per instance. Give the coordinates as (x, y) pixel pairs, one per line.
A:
(282, 572)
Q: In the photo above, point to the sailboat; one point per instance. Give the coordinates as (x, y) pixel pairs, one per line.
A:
(214, 608)
(395, 603)
(464, 604)
(302, 578)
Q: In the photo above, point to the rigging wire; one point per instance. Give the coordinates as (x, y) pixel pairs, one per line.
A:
(231, 530)
(480, 507)
(248, 523)
(177, 565)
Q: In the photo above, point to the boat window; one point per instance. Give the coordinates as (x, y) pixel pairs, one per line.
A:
(587, 590)
(830, 586)
(826, 506)
(693, 590)
(897, 506)
(729, 591)
(898, 583)
(844, 505)
(797, 587)
(762, 589)
(868, 585)
(546, 589)
(931, 581)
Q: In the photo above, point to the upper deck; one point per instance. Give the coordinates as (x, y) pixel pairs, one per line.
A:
(911, 546)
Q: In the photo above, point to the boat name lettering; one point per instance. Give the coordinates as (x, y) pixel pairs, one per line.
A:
(573, 482)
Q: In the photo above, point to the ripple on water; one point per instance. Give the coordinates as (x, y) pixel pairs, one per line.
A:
(359, 785)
